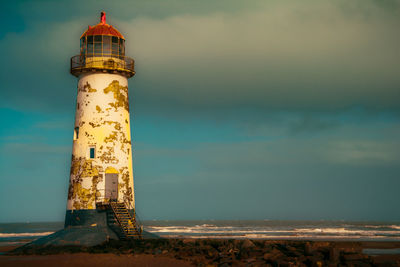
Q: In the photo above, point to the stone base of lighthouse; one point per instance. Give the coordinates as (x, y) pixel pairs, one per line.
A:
(86, 218)
(77, 236)
(84, 228)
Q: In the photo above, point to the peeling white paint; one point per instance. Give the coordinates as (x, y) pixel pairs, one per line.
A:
(103, 120)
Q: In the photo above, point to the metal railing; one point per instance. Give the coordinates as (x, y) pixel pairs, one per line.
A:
(82, 63)
(102, 199)
(101, 196)
(138, 223)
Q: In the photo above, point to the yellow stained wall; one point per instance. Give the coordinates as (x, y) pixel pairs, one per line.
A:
(102, 116)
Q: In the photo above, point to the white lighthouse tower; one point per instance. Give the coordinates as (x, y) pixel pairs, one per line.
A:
(101, 177)
(101, 201)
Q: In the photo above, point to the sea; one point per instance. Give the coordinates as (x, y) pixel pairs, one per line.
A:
(20, 233)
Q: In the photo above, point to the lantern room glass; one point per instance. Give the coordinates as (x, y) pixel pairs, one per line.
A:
(102, 46)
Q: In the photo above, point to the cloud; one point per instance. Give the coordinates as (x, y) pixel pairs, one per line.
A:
(327, 176)
(320, 56)
(32, 156)
(36, 76)
(57, 124)
(346, 148)
(34, 148)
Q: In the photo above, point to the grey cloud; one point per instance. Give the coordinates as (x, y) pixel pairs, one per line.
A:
(347, 146)
(34, 148)
(285, 57)
(313, 124)
(319, 56)
(36, 75)
(59, 124)
(32, 156)
(344, 173)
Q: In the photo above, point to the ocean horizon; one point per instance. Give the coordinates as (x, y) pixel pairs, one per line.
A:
(20, 233)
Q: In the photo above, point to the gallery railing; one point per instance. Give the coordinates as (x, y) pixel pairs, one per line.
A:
(121, 64)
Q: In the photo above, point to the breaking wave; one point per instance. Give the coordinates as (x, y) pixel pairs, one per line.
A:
(4, 235)
(355, 232)
(397, 227)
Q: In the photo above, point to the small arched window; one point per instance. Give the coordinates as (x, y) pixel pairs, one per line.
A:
(76, 133)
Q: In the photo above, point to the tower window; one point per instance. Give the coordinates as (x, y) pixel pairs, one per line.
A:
(90, 45)
(106, 45)
(122, 47)
(92, 152)
(97, 49)
(76, 133)
(114, 46)
(90, 49)
(97, 38)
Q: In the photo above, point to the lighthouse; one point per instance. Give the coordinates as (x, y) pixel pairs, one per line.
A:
(101, 176)
(101, 200)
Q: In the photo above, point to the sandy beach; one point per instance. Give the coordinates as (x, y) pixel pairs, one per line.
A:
(86, 259)
(209, 252)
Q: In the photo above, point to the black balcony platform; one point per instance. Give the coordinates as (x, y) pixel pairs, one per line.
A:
(123, 65)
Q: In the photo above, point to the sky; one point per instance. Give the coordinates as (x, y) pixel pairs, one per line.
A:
(281, 110)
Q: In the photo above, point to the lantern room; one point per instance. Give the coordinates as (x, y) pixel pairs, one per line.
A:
(102, 47)
(102, 40)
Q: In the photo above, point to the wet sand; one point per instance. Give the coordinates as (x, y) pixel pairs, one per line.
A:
(86, 259)
(209, 252)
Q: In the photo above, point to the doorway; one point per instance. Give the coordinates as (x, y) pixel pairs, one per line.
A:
(111, 186)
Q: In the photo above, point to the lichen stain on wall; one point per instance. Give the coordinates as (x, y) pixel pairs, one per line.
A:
(94, 125)
(111, 138)
(126, 189)
(125, 144)
(108, 156)
(81, 168)
(120, 95)
(86, 88)
(117, 125)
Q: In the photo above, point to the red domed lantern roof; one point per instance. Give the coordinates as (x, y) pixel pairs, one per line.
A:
(102, 29)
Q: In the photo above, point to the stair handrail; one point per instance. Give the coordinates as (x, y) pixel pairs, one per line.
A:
(115, 214)
(139, 223)
(136, 220)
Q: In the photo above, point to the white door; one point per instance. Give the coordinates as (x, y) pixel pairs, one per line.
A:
(112, 186)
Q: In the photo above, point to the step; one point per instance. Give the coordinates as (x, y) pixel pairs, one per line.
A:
(126, 221)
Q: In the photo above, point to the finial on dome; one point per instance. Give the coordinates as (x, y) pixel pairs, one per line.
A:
(103, 17)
